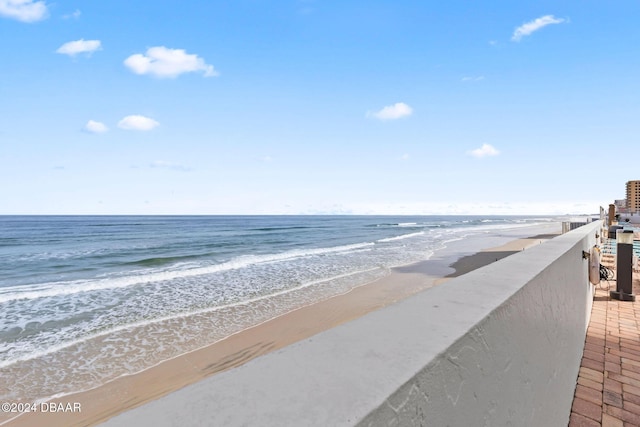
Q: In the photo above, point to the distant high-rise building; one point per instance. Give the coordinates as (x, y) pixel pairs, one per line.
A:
(633, 196)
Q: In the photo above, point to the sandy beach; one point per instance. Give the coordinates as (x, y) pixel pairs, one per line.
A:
(128, 392)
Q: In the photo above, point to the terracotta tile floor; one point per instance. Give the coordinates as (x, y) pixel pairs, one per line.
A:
(608, 389)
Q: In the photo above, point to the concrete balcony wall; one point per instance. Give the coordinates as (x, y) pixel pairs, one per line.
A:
(498, 346)
(518, 364)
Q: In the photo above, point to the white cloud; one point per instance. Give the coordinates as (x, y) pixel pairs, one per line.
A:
(95, 127)
(23, 10)
(75, 15)
(473, 79)
(392, 112)
(162, 164)
(79, 46)
(484, 151)
(163, 62)
(532, 26)
(136, 122)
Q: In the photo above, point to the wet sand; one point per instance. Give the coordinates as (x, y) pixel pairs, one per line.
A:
(128, 392)
(487, 256)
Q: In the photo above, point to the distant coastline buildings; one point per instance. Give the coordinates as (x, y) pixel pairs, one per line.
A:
(628, 210)
(633, 196)
(621, 212)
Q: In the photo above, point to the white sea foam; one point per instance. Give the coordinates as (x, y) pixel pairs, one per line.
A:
(67, 288)
(66, 344)
(402, 237)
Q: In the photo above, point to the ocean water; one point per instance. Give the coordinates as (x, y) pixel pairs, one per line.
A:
(86, 299)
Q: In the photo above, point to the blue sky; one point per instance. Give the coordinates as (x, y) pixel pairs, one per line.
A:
(317, 106)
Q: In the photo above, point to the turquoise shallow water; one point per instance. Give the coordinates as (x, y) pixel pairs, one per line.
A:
(86, 299)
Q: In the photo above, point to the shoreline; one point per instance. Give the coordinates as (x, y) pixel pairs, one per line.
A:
(127, 392)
